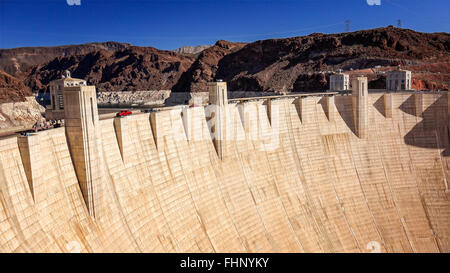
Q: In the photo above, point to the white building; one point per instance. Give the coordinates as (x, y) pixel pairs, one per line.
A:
(398, 80)
(56, 108)
(339, 82)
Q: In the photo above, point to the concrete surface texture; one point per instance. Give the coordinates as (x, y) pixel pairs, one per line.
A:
(299, 180)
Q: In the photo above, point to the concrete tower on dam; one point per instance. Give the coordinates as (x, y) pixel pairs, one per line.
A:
(218, 100)
(82, 132)
(55, 110)
(360, 96)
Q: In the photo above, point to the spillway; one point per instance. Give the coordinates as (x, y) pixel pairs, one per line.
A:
(310, 185)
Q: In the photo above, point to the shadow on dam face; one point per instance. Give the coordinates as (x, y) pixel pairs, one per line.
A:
(432, 131)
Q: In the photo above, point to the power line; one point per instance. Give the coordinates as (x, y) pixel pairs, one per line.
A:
(217, 36)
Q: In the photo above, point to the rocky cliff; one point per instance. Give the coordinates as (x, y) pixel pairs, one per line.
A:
(22, 113)
(283, 65)
(18, 60)
(274, 65)
(12, 89)
(127, 69)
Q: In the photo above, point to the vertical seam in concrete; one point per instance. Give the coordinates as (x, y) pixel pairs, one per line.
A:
(268, 236)
(364, 195)
(156, 195)
(62, 188)
(279, 195)
(334, 190)
(109, 182)
(12, 217)
(221, 193)
(320, 226)
(190, 193)
(440, 160)
(332, 183)
(400, 219)
(433, 232)
(199, 217)
(417, 184)
(162, 210)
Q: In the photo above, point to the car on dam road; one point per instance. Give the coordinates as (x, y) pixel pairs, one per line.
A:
(123, 113)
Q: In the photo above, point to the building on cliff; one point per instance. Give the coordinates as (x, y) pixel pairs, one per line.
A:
(340, 82)
(398, 80)
(56, 108)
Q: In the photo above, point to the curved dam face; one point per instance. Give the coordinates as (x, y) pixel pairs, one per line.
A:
(292, 177)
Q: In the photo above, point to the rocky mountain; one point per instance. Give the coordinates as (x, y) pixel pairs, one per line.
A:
(191, 49)
(284, 65)
(127, 69)
(12, 89)
(205, 67)
(274, 65)
(18, 60)
(17, 106)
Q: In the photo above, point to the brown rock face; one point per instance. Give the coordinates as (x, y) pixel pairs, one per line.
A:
(12, 89)
(205, 67)
(131, 68)
(283, 65)
(275, 65)
(18, 60)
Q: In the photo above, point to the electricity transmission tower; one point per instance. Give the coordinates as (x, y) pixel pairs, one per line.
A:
(347, 25)
(399, 23)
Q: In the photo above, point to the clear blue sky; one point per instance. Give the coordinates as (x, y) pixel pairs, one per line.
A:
(168, 24)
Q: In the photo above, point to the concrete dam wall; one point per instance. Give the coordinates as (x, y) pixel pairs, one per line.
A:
(310, 184)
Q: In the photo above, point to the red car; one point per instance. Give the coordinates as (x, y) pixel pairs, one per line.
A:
(123, 113)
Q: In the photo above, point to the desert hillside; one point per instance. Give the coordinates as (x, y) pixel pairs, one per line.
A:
(274, 65)
(12, 89)
(18, 60)
(294, 64)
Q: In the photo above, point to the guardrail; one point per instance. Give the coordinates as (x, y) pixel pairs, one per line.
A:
(321, 94)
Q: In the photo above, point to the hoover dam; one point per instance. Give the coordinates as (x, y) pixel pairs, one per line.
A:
(322, 172)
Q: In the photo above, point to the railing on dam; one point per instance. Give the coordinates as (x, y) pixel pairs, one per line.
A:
(321, 94)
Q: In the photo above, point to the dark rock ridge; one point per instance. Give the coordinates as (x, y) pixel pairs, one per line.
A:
(285, 65)
(274, 65)
(20, 59)
(128, 69)
(205, 67)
